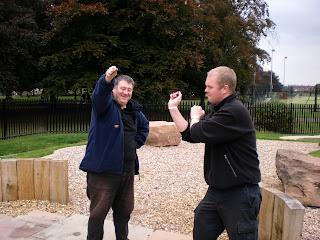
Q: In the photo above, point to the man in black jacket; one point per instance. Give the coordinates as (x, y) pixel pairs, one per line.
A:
(231, 164)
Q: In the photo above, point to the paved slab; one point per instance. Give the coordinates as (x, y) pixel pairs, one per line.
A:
(4, 217)
(162, 235)
(16, 229)
(75, 227)
(40, 225)
(41, 218)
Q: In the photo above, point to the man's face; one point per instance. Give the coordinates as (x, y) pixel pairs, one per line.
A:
(214, 93)
(122, 92)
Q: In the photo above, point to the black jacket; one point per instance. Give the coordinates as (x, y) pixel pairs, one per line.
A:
(229, 135)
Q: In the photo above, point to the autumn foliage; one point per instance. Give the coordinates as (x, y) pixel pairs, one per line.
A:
(164, 45)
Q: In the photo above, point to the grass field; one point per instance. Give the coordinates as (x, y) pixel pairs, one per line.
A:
(39, 145)
(39, 97)
(302, 100)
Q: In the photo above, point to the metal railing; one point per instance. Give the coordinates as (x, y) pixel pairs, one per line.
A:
(27, 117)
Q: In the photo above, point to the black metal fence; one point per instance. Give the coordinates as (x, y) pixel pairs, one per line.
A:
(285, 118)
(27, 117)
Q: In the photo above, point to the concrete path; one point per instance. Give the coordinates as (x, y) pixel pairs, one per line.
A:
(40, 225)
(299, 137)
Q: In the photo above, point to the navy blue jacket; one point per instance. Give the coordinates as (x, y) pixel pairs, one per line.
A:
(104, 152)
(229, 135)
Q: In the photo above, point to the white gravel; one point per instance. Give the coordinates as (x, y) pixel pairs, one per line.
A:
(169, 187)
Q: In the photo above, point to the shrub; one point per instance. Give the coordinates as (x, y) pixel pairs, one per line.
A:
(273, 117)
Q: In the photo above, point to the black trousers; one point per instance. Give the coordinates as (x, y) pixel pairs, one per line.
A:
(235, 210)
(106, 191)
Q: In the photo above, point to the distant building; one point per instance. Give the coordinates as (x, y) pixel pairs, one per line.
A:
(300, 88)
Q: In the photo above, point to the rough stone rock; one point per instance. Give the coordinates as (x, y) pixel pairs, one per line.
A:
(162, 134)
(300, 176)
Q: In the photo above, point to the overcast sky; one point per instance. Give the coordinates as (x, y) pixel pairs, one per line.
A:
(297, 38)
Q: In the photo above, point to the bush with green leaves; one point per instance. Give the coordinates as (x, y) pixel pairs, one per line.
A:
(272, 117)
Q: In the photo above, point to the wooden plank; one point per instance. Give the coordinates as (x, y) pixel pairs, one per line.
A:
(266, 212)
(278, 211)
(42, 178)
(9, 182)
(59, 181)
(25, 179)
(289, 218)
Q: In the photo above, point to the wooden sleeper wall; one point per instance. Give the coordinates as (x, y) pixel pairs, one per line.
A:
(280, 217)
(39, 178)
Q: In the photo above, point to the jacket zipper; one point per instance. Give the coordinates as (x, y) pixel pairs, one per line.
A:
(225, 156)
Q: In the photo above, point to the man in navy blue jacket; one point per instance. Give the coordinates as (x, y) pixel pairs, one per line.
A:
(117, 129)
(231, 164)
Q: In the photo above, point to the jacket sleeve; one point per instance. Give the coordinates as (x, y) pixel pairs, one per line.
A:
(142, 130)
(224, 126)
(186, 135)
(102, 96)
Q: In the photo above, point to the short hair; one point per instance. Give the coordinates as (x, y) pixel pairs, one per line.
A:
(126, 78)
(225, 76)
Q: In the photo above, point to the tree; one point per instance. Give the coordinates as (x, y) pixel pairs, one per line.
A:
(145, 39)
(19, 39)
(262, 85)
(218, 33)
(75, 45)
(230, 32)
(164, 45)
(276, 84)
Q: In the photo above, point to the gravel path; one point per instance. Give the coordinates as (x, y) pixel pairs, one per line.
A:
(169, 187)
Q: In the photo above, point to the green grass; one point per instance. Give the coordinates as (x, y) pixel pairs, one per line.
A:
(44, 144)
(39, 145)
(23, 97)
(39, 97)
(302, 99)
(315, 154)
(270, 136)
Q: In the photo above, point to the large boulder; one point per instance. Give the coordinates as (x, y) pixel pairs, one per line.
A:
(300, 176)
(163, 134)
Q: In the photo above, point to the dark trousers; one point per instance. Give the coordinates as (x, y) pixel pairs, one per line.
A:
(106, 191)
(235, 210)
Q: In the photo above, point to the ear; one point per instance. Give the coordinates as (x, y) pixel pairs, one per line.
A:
(226, 89)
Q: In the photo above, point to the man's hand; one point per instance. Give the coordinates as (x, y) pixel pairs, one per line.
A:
(175, 99)
(180, 122)
(197, 112)
(111, 73)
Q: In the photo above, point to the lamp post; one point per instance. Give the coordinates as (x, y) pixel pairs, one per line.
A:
(271, 73)
(284, 70)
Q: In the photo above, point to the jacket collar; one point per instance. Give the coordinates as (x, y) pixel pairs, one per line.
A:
(216, 107)
(135, 106)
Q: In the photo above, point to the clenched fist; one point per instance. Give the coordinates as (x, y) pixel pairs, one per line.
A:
(111, 73)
